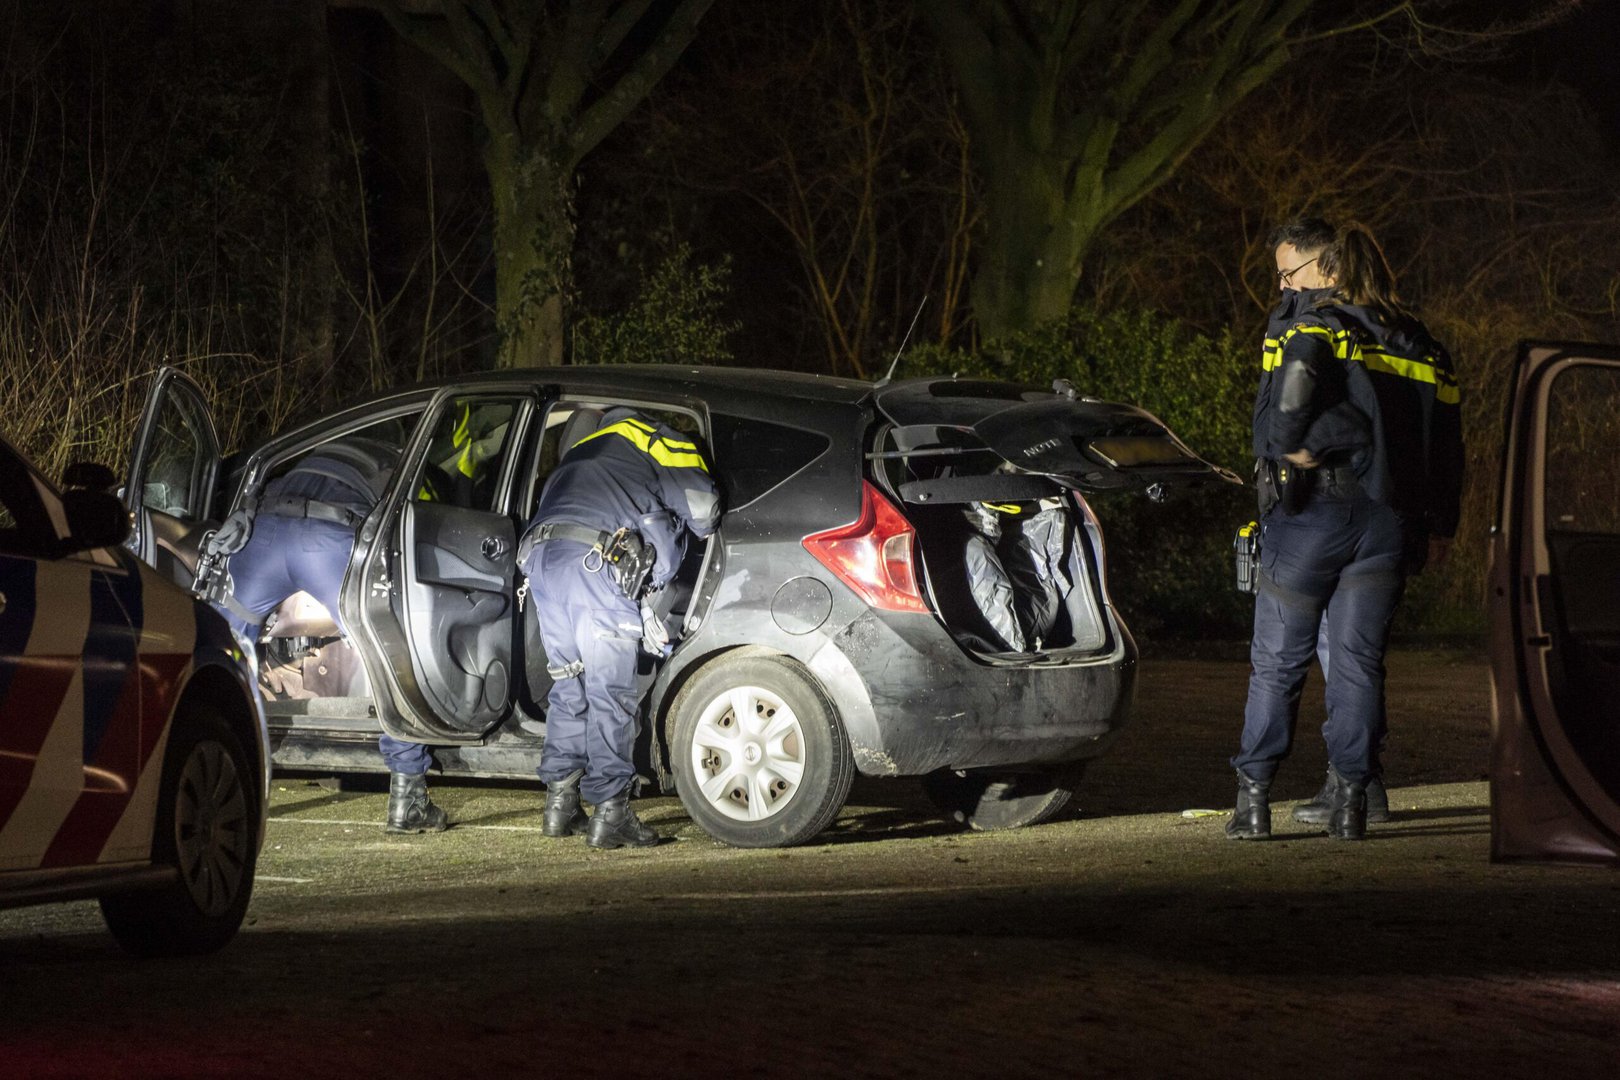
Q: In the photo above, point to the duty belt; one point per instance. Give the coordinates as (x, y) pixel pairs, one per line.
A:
(297, 506)
(1340, 480)
(567, 530)
(561, 530)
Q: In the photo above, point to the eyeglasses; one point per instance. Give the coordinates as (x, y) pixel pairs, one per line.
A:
(1286, 277)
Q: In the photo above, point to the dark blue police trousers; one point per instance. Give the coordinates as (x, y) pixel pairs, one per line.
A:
(1339, 558)
(590, 716)
(287, 555)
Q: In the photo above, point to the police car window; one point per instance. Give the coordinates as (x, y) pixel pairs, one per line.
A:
(470, 442)
(25, 526)
(1583, 451)
(754, 456)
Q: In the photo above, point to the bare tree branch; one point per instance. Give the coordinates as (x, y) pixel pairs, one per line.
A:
(610, 110)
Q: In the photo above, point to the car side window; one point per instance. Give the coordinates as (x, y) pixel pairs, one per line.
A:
(754, 456)
(177, 463)
(1583, 451)
(25, 523)
(567, 422)
(394, 431)
(467, 452)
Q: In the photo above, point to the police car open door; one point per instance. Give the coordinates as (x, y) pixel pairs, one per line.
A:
(173, 472)
(1554, 607)
(433, 588)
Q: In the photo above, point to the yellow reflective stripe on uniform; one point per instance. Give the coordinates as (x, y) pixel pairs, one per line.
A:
(462, 437)
(1271, 355)
(1387, 363)
(623, 427)
(1445, 387)
(663, 453)
(670, 453)
(1305, 328)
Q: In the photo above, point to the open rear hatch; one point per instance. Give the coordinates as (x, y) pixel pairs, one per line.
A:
(989, 473)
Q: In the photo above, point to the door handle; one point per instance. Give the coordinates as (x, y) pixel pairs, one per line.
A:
(493, 547)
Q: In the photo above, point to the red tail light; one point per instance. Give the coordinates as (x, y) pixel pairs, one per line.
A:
(873, 555)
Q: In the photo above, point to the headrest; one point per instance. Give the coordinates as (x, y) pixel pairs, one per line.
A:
(582, 423)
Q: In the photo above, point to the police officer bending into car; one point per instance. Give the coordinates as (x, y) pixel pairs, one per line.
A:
(608, 530)
(1358, 425)
(299, 536)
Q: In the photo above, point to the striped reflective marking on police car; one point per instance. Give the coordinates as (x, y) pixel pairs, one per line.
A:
(95, 746)
(44, 757)
(112, 718)
(168, 641)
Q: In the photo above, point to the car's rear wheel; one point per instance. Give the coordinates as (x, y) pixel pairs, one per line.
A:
(206, 828)
(760, 756)
(991, 801)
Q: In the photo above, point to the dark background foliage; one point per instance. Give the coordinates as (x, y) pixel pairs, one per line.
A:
(290, 201)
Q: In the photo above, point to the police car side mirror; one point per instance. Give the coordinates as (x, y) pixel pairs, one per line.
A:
(90, 475)
(95, 519)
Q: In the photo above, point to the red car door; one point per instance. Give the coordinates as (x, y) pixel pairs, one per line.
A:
(1554, 605)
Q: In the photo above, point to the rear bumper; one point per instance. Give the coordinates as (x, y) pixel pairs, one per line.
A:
(913, 702)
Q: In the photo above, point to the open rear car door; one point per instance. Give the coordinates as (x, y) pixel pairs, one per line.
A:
(1554, 611)
(173, 471)
(433, 591)
(1011, 431)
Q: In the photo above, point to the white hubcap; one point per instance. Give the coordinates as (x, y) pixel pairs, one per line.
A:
(748, 753)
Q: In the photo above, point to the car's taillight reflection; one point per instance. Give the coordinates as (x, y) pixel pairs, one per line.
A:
(874, 555)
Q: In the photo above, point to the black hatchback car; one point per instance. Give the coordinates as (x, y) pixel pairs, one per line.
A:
(828, 627)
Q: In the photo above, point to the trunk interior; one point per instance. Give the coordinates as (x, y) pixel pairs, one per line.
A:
(1009, 561)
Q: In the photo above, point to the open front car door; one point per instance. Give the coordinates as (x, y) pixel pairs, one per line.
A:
(1554, 610)
(173, 471)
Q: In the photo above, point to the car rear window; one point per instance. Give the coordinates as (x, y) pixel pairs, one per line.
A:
(753, 456)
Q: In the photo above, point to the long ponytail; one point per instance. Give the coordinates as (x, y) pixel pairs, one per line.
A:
(1361, 273)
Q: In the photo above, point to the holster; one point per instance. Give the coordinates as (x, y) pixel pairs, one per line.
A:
(631, 561)
(1293, 486)
(1265, 484)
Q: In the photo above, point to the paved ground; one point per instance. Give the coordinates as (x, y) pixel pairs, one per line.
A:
(1126, 940)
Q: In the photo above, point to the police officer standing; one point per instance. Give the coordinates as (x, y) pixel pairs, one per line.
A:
(1357, 423)
(609, 528)
(299, 536)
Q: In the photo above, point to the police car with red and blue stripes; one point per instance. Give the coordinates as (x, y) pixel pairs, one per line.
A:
(134, 761)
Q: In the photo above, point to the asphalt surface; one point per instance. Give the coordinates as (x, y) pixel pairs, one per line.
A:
(1127, 939)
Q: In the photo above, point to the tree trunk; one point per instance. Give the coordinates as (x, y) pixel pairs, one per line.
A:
(534, 242)
(1035, 244)
(307, 65)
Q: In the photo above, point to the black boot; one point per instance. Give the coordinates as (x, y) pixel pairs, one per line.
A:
(1347, 808)
(563, 814)
(615, 825)
(409, 808)
(1316, 811)
(1252, 818)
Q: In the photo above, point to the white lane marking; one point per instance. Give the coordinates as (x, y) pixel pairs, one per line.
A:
(811, 894)
(284, 880)
(379, 824)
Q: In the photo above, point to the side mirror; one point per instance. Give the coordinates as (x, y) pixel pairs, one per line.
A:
(89, 475)
(95, 519)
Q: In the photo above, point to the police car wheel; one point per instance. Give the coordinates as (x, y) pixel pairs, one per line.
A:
(760, 757)
(987, 802)
(205, 829)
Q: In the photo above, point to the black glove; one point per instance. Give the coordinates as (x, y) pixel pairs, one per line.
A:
(233, 533)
